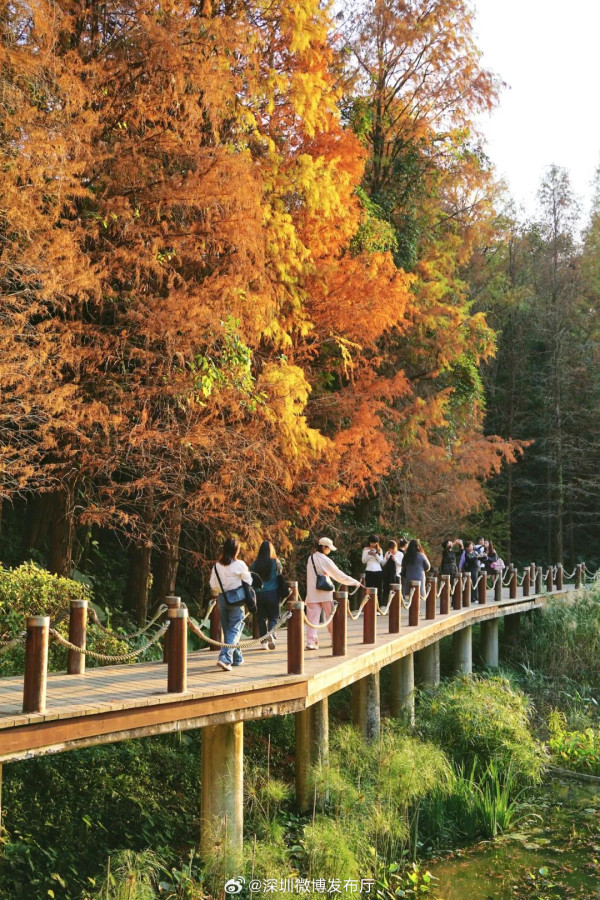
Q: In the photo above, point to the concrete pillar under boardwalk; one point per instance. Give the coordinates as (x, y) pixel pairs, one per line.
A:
(303, 759)
(489, 643)
(222, 796)
(402, 696)
(427, 665)
(462, 650)
(512, 628)
(366, 706)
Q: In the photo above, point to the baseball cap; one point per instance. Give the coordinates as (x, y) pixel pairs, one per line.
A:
(326, 542)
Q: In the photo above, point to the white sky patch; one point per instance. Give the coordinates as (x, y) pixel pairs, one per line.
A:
(548, 52)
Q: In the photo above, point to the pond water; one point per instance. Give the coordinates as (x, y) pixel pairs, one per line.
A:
(554, 854)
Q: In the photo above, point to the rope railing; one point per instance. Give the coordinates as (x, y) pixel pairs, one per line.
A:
(324, 624)
(386, 609)
(126, 637)
(105, 657)
(476, 582)
(521, 579)
(406, 602)
(5, 646)
(356, 616)
(506, 580)
(439, 591)
(494, 581)
(245, 645)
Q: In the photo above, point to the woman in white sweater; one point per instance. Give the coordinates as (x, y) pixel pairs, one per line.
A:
(319, 563)
(373, 560)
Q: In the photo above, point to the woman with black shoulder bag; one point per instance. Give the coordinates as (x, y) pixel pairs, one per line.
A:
(321, 572)
(231, 576)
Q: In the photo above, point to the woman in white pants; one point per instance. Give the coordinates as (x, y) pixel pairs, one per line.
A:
(319, 563)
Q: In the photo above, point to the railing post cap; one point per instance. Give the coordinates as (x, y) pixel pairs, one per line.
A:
(447, 577)
(78, 604)
(371, 590)
(395, 586)
(295, 604)
(177, 612)
(340, 595)
(415, 582)
(292, 584)
(38, 621)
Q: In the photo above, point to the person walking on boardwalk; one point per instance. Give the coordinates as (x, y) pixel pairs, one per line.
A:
(320, 569)
(227, 576)
(373, 560)
(268, 568)
(414, 566)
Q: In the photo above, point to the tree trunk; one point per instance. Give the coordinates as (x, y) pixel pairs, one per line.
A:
(138, 580)
(60, 550)
(37, 520)
(167, 563)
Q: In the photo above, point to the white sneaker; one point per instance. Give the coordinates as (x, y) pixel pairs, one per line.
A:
(271, 642)
(223, 665)
(312, 647)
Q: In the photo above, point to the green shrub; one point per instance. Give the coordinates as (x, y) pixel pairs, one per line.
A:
(483, 719)
(576, 750)
(563, 639)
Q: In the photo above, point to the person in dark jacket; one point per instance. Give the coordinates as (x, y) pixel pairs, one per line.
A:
(267, 567)
(470, 561)
(448, 566)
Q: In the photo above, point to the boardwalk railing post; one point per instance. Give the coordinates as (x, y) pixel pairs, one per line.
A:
(370, 616)
(338, 634)
(513, 583)
(466, 593)
(415, 606)
(457, 592)
(36, 664)
(539, 577)
(177, 661)
(216, 632)
(582, 572)
(394, 613)
(295, 632)
(445, 595)
(171, 603)
(559, 577)
(578, 578)
(77, 627)
(431, 599)
(498, 587)
(532, 571)
(550, 580)
(482, 587)
(526, 580)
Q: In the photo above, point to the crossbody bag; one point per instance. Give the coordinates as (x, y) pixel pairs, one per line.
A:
(324, 582)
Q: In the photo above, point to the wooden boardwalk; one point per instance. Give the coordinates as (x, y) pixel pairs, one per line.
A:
(117, 702)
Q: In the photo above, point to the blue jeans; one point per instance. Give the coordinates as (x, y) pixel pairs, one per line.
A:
(232, 623)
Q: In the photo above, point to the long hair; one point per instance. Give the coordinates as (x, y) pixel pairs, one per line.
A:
(231, 548)
(264, 559)
(491, 549)
(414, 548)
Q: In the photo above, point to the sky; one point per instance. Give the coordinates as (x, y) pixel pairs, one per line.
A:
(548, 53)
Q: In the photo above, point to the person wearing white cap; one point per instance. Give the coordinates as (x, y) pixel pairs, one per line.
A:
(319, 564)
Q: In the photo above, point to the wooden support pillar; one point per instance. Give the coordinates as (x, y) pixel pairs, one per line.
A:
(513, 583)
(394, 612)
(457, 592)
(173, 602)
(414, 611)
(36, 664)
(462, 647)
(77, 635)
(427, 665)
(431, 598)
(498, 587)
(445, 595)
(550, 580)
(466, 591)
(366, 707)
(539, 578)
(482, 587)
(402, 694)
(526, 582)
(216, 632)
(512, 628)
(177, 661)
(339, 625)
(559, 577)
(295, 632)
(222, 794)
(370, 616)
(489, 643)
(303, 759)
